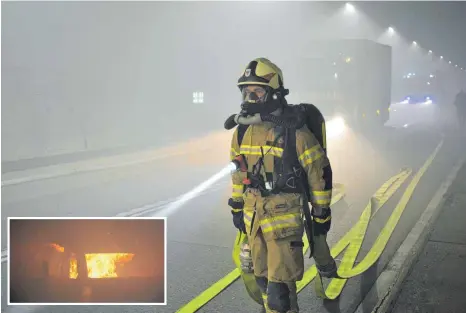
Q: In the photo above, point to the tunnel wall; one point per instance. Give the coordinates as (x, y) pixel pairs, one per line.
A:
(96, 75)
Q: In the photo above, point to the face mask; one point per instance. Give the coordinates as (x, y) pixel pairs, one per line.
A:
(257, 101)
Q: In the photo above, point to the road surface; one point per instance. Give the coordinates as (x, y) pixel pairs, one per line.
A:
(200, 233)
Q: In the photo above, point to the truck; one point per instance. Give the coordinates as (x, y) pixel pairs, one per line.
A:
(348, 78)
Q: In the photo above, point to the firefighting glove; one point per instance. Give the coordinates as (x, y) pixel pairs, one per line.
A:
(321, 223)
(238, 215)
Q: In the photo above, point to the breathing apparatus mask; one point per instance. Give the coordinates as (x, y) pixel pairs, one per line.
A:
(263, 94)
(260, 100)
(262, 104)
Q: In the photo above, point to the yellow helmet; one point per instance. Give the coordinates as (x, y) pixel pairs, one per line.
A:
(262, 72)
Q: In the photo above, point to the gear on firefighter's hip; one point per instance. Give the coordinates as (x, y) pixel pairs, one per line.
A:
(238, 215)
(321, 223)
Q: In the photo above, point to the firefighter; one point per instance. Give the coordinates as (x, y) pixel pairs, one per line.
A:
(269, 197)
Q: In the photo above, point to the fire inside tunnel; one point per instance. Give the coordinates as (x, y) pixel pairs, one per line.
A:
(87, 261)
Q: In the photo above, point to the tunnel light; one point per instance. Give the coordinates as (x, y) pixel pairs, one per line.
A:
(335, 75)
(414, 43)
(441, 57)
(431, 76)
(348, 60)
(430, 51)
(428, 83)
(350, 8)
(449, 62)
(391, 30)
(198, 97)
(456, 65)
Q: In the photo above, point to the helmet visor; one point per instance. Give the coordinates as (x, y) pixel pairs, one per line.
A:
(254, 94)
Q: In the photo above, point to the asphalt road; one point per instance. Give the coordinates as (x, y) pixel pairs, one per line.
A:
(200, 234)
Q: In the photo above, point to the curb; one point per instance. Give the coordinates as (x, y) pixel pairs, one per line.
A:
(388, 285)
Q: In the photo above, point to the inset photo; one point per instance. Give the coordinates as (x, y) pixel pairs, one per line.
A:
(81, 261)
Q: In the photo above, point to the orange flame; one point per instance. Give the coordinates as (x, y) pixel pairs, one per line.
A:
(73, 267)
(57, 247)
(104, 265)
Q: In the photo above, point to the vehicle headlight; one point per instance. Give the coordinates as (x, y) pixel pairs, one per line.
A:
(335, 127)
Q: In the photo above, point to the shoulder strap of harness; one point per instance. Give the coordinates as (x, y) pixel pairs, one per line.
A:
(290, 156)
(241, 131)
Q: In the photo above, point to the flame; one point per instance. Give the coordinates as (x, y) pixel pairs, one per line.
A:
(104, 265)
(73, 267)
(57, 247)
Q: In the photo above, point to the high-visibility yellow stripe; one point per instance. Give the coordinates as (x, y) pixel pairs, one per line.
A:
(237, 191)
(256, 150)
(322, 197)
(281, 217)
(324, 136)
(247, 217)
(320, 220)
(279, 222)
(233, 154)
(310, 155)
(279, 226)
(308, 152)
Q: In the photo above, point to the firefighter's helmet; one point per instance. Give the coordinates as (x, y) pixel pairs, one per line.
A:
(263, 72)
